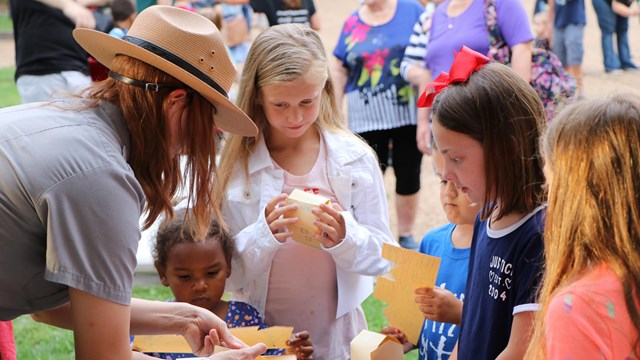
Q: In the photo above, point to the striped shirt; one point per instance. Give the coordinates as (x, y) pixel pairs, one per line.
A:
(416, 51)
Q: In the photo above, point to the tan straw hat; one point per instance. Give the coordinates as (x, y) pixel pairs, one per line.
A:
(184, 45)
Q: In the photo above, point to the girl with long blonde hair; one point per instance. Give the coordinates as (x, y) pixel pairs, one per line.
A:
(589, 294)
(302, 144)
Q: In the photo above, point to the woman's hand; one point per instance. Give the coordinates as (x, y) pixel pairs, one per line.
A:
(300, 345)
(205, 330)
(330, 223)
(438, 304)
(249, 353)
(274, 214)
(400, 336)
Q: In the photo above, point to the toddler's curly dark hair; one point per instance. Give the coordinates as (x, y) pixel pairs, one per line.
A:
(177, 231)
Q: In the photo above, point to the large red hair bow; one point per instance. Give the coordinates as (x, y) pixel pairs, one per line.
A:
(464, 64)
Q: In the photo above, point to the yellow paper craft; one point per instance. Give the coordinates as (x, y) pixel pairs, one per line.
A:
(274, 337)
(412, 270)
(304, 229)
(369, 345)
(218, 349)
(161, 344)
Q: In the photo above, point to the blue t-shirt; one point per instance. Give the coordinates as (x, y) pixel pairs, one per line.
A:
(569, 12)
(379, 98)
(505, 269)
(437, 339)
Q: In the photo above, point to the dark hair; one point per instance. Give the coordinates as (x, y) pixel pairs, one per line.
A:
(177, 232)
(121, 10)
(501, 111)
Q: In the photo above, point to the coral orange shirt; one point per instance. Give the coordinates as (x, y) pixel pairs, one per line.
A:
(589, 319)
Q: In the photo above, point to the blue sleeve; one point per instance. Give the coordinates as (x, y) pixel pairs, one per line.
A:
(513, 22)
(528, 278)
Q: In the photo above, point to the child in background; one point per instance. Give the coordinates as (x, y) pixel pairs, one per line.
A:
(442, 305)
(486, 123)
(561, 83)
(123, 12)
(302, 143)
(590, 295)
(196, 272)
(568, 19)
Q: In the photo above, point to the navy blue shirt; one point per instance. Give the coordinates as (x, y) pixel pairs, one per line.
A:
(569, 12)
(504, 273)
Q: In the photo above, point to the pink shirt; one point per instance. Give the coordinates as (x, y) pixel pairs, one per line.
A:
(589, 319)
(303, 287)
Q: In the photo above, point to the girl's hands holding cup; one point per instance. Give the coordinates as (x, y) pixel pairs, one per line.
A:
(330, 223)
(274, 215)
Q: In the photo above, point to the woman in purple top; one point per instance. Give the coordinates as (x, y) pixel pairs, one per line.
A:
(462, 22)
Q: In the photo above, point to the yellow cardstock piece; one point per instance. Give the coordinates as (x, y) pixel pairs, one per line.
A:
(304, 228)
(412, 270)
(369, 345)
(274, 337)
(161, 343)
(219, 349)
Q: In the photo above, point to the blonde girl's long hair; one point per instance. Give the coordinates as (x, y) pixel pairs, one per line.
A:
(156, 169)
(281, 54)
(593, 149)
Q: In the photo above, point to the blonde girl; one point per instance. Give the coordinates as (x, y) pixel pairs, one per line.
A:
(589, 294)
(486, 121)
(302, 143)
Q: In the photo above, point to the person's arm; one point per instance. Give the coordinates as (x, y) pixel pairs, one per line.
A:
(361, 250)
(423, 128)
(339, 76)
(519, 337)
(412, 66)
(314, 21)
(87, 3)
(100, 327)
(80, 15)
(623, 10)
(551, 9)
(201, 328)
(521, 59)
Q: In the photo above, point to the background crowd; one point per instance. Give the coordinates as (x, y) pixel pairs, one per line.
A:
(367, 67)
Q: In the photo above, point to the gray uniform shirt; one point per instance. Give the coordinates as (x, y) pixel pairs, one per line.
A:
(69, 206)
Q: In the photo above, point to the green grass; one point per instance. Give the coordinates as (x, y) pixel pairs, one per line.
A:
(38, 341)
(8, 92)
(5, 23)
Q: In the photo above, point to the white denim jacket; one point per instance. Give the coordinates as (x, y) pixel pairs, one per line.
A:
(355, 178)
